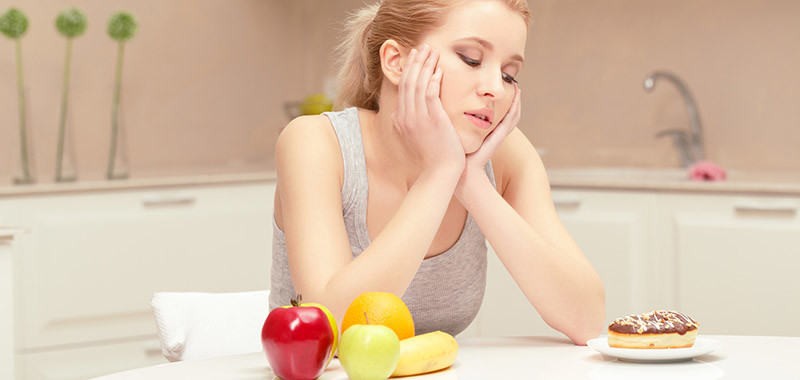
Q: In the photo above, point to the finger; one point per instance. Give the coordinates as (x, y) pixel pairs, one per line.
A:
(411, 81)
(504, 128)
(401, 85)
(512, 116)
(423, 82)
(515, 111)
(432, 99)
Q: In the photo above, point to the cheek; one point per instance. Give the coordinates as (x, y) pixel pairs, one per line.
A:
(454, 90)
(449, 81)
(507, 103)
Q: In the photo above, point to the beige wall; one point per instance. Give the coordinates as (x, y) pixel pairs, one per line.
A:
(205, 80)
(586, 61)
(740, 58)
(204, 83)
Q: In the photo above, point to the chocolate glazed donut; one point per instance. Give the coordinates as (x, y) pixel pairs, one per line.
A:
(656, 329)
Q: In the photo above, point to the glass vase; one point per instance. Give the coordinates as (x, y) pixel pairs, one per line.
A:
(66, 165)
(118, 150)
(24, 172)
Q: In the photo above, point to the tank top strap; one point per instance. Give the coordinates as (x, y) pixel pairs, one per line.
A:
(490, 172)
(347, 126)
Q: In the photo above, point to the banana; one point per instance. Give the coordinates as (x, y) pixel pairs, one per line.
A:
(426, 353)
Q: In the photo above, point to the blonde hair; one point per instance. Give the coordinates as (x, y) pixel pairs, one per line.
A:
(405, 21)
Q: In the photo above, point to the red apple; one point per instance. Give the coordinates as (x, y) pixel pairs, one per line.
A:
(298, 341)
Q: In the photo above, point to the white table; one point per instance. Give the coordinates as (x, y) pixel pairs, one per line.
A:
(740, 357)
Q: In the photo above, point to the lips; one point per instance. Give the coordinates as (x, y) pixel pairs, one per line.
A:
(482, 118)
(480, 123)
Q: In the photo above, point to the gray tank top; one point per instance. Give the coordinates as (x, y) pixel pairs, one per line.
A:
(447, 291)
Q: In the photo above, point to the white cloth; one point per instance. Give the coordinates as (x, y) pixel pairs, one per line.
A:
(202, 325)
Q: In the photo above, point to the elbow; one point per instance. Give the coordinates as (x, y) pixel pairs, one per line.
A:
(335, 305)
(582, 335)
(587, 329)
(590, 320)
(583, 327)
(582, 339)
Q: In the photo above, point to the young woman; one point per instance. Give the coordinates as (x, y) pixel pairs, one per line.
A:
(399, 192)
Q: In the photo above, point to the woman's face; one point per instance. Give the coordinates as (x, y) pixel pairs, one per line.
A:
(481, 47)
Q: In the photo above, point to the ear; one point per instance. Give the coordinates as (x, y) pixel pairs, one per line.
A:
(393, 57)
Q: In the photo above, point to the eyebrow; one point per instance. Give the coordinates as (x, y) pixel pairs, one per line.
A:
(488, 45)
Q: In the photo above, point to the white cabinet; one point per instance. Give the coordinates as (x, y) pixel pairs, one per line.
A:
(613, 231)
(736, 262)
(6, 302)
(86, 362)
(729, 261)
(92, 260)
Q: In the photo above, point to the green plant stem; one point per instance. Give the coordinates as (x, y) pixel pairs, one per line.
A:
(63, 116)
(23, 133)
(115, 112)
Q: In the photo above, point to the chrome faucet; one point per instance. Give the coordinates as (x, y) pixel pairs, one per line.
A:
(690, 146)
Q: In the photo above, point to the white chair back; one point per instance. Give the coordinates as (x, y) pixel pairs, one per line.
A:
(202, 325)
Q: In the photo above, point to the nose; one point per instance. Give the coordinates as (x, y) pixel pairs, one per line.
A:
(491, 84)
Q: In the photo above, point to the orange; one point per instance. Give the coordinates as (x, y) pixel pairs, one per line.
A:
(380, 308)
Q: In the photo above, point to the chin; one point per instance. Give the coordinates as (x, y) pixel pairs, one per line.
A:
(471, 137)
(471, 143)
(472, 148)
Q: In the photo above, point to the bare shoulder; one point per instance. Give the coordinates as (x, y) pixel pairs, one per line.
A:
(306, 132)
(308, 162)
(514, 158)
(308, 142)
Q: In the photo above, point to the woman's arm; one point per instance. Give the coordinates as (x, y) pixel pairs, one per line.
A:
(320, 260)
(310, 176)
(523, 228)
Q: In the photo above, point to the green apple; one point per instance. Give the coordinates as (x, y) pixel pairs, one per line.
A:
(369, 352)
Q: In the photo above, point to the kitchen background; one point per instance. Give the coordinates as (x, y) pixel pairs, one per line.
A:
(205, 81)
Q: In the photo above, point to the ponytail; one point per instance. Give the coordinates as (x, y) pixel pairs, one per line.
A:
(354, 85)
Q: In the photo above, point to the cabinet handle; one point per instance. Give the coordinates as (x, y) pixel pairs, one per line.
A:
(749, 205)
(153, 350)
(9, 232)
(168, 200)
(566, 201)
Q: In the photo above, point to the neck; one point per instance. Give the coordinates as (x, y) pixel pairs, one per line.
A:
(386, 150)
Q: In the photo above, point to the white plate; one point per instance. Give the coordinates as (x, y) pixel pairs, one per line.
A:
(701, 346)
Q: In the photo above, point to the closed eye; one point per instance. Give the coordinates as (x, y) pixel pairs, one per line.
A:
(474, 63)
(469, 61)
(509, 78)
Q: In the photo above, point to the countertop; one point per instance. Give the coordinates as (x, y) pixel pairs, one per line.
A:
(675, 179)
(739, 357)
(144, 180)
(609, 178)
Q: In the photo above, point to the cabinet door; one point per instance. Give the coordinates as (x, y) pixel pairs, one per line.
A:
(92, 261)
(612, 229)
(737, 260)
(83, 363)
(6, 309)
